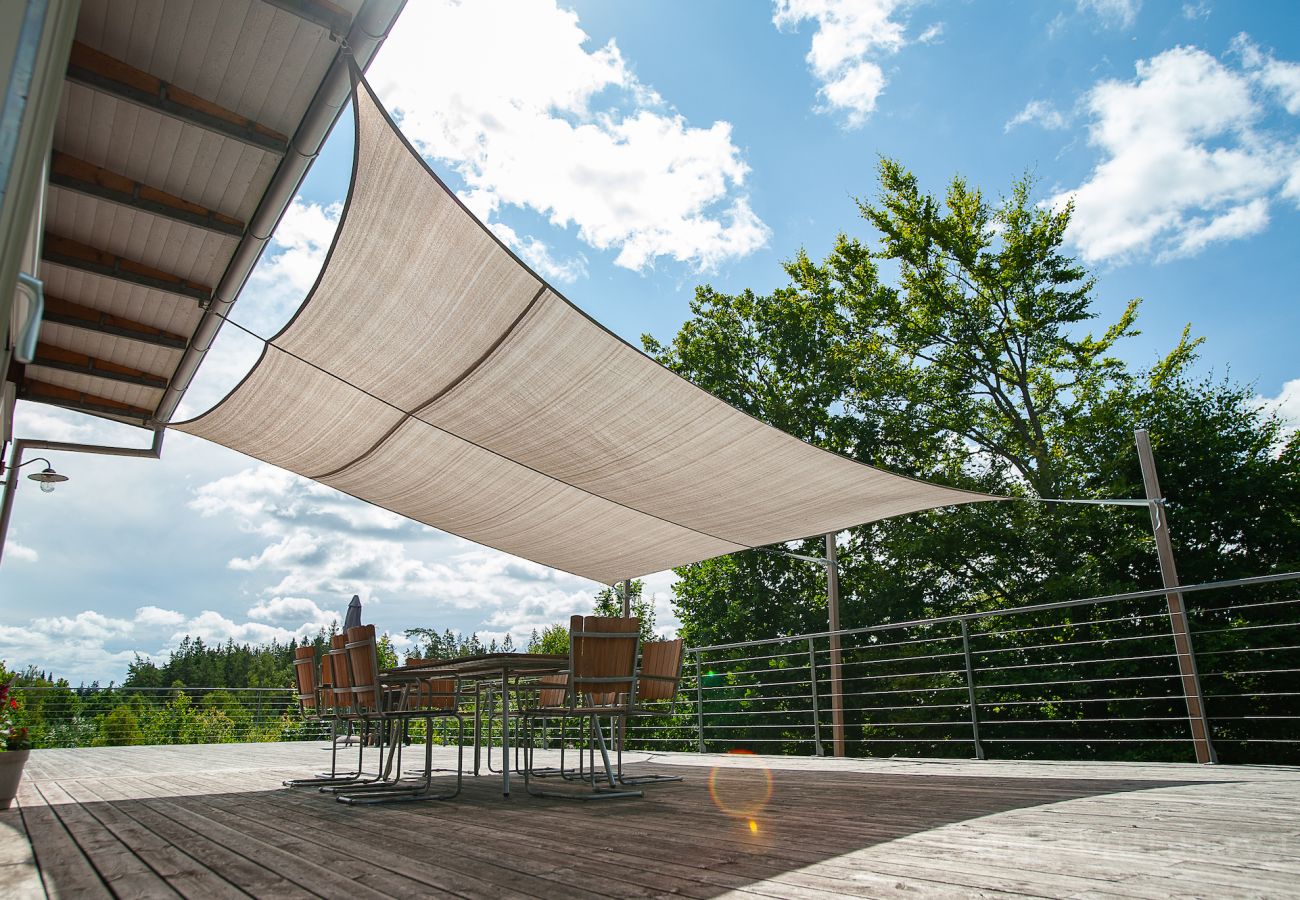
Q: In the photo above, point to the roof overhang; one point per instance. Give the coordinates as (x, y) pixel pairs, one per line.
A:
(182, 133)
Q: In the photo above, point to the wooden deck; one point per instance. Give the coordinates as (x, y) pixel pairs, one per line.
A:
(212, 821)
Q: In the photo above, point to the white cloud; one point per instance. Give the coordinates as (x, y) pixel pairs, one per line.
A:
(88, 624)
(851, 36)
(50, 423)
(1038, 112)
(276, 289)
(1196, 10)
(931, 35)
(1112, 13)
(577, 139)
(1185, 160)
(290, 609)
(154, 617)
(538, 255)
(297, 252)
(273, 496)
(88, 645)
(1286, 405)
(1236, 222)
(20, 552)
(1280, 77)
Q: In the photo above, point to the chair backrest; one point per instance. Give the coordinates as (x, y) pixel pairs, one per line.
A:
(431, 693)
(602, 657)
(326, 680)
(304, 671)
(661, 670)
(341, 669)
(363, 656)
(552, 689)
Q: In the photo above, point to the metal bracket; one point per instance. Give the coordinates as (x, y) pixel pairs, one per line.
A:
(25, 351)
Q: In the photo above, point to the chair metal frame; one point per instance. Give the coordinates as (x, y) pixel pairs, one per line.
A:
(384, 706)
(597, 670)
(646, 678)
(316, 696)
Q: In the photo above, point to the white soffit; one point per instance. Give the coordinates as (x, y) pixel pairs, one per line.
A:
(430, 372)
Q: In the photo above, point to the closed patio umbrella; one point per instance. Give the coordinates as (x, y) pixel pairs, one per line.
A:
(353, 617)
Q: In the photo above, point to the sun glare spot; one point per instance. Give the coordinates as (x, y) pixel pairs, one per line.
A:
(741, 791)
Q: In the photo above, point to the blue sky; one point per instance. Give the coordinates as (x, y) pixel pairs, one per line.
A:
(632, 151)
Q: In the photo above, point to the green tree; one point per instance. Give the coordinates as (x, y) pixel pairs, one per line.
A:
(120, 728)
(552, 639)
(978, 367)
(609, 602)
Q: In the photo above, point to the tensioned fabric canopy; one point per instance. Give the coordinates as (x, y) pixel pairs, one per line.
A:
(432, 373)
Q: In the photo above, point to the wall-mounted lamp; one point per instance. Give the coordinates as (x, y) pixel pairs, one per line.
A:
(47, 477)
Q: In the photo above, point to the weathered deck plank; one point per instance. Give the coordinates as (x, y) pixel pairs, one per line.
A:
(213, 821)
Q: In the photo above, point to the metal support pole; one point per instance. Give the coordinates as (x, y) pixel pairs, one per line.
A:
(1182, 632)
(622, 722)
(699, 701)
(837, 681)
(970, 691)
(818, 749)
(11, 480)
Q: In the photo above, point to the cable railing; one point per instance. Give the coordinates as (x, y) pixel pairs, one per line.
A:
(1095, 678)
(120, 716)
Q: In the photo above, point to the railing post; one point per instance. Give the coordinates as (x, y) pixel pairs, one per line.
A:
(699, 701)
(816, 710)
(1191, 679)
(837, 676)
(970, 692)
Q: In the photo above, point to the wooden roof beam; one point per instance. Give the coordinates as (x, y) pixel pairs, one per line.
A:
(86, 178)
(40, 392)
(101, 72)
(74, 315)
(76, 255)
(54, 357)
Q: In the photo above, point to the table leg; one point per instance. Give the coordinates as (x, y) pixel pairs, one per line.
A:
(478, 723)
(505, 733)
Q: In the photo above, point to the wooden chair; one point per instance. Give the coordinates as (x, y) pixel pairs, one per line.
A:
(658, 679)
(389, 706)
(601, 683)
(316, 703)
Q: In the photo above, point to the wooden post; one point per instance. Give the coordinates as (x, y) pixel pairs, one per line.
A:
(627, 599)
(837, 683)
(1191, 680)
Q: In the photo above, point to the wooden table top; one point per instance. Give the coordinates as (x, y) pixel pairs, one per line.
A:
(482, 665)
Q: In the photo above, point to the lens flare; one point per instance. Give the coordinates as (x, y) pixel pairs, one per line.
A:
(742, 792)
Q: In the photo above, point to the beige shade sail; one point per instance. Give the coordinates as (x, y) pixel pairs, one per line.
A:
(430, 372)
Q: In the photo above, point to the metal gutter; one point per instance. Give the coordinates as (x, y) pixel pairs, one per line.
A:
(13, 476)
(369, 29)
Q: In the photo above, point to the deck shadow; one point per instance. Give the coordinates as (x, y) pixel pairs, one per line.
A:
(718, 830)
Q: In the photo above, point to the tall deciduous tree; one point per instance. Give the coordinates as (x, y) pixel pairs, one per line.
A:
(977, 368)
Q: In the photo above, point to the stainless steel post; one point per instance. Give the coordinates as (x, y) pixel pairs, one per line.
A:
(627, 599)
(837, 680)
(816, 706)
(1191, 680)
(699, 701)
(970, 691)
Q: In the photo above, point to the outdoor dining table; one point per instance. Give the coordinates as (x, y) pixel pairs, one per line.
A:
(484, 667)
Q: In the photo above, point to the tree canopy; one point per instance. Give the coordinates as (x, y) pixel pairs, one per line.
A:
(980, 364)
